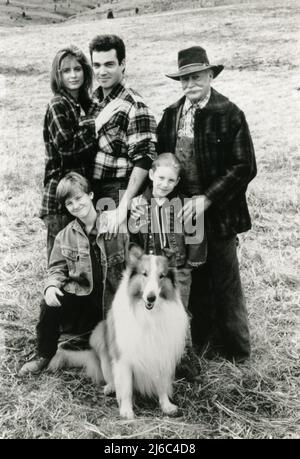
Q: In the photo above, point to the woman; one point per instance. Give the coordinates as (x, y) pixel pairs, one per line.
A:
(69, 132)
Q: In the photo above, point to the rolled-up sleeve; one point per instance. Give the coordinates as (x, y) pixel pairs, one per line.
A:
(141, 136)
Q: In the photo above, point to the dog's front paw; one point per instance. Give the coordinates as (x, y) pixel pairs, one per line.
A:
(109, 389)
(169, 408)
(57, 362)
(126, 413)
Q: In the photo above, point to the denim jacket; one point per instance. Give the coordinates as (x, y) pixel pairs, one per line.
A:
(70, 265)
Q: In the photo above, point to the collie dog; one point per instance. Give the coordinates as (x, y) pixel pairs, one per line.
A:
(143, 338)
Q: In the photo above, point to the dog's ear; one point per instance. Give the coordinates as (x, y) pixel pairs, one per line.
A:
(134, 253)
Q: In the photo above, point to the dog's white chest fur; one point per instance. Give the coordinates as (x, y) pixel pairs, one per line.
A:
(150, 341)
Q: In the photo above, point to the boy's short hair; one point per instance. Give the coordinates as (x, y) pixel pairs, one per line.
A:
(106, 43)
(167, 160)
(69, 184)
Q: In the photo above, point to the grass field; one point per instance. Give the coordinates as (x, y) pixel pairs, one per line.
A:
(259, 46)
(34, 12)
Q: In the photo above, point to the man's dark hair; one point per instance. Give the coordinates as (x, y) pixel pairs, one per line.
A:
(106, 43)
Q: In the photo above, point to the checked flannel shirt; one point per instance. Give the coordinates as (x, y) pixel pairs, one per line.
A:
(70, 141)
(127, 139)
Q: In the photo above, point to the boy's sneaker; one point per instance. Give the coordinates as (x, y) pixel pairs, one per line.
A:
(34, 366)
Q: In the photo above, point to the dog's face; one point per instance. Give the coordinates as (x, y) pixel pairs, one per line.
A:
(150, 278)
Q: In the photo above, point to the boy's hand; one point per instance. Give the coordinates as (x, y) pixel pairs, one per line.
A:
(138, 208)
(107, 113)
(51, 296)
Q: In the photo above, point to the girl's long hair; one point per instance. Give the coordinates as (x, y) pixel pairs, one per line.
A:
(56, 76)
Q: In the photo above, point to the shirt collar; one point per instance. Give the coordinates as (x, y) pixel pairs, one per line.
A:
(94, 230)
(69, 96)
(200, 104)
(114, 93)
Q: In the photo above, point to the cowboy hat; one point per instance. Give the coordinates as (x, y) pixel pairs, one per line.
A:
(193, 60)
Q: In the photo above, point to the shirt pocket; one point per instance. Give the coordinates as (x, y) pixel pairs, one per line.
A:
(72, 259)
(113, 139)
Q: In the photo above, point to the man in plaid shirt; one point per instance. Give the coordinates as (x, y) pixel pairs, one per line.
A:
(210, 137)
(126, 145)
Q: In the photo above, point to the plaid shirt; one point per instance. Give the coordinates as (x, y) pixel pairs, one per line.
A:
(128, 138)
(224, 156)
(69, 136)
(186, 125)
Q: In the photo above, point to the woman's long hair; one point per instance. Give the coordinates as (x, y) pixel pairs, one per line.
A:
(56, 76)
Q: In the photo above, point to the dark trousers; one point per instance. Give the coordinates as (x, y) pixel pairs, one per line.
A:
(217, 301)
(77, 314)
(109, 189)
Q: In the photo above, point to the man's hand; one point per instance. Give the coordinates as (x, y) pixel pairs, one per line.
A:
(194, 208)
(107, 113)
(51, 296)
(113, 219)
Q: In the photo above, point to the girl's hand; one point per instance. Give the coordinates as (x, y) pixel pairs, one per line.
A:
(107, 113)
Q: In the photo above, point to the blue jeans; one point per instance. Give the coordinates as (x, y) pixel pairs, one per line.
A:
(217, 301)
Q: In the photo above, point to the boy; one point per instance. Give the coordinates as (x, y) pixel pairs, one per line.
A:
(159, 231)
(155, 227)
(83, 274)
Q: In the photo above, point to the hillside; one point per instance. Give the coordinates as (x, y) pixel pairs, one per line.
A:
(35, 12)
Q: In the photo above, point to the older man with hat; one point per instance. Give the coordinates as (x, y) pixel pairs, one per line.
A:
(210, 137)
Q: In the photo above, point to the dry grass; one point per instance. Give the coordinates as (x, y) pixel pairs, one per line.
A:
(258, 44)
(49, 12)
